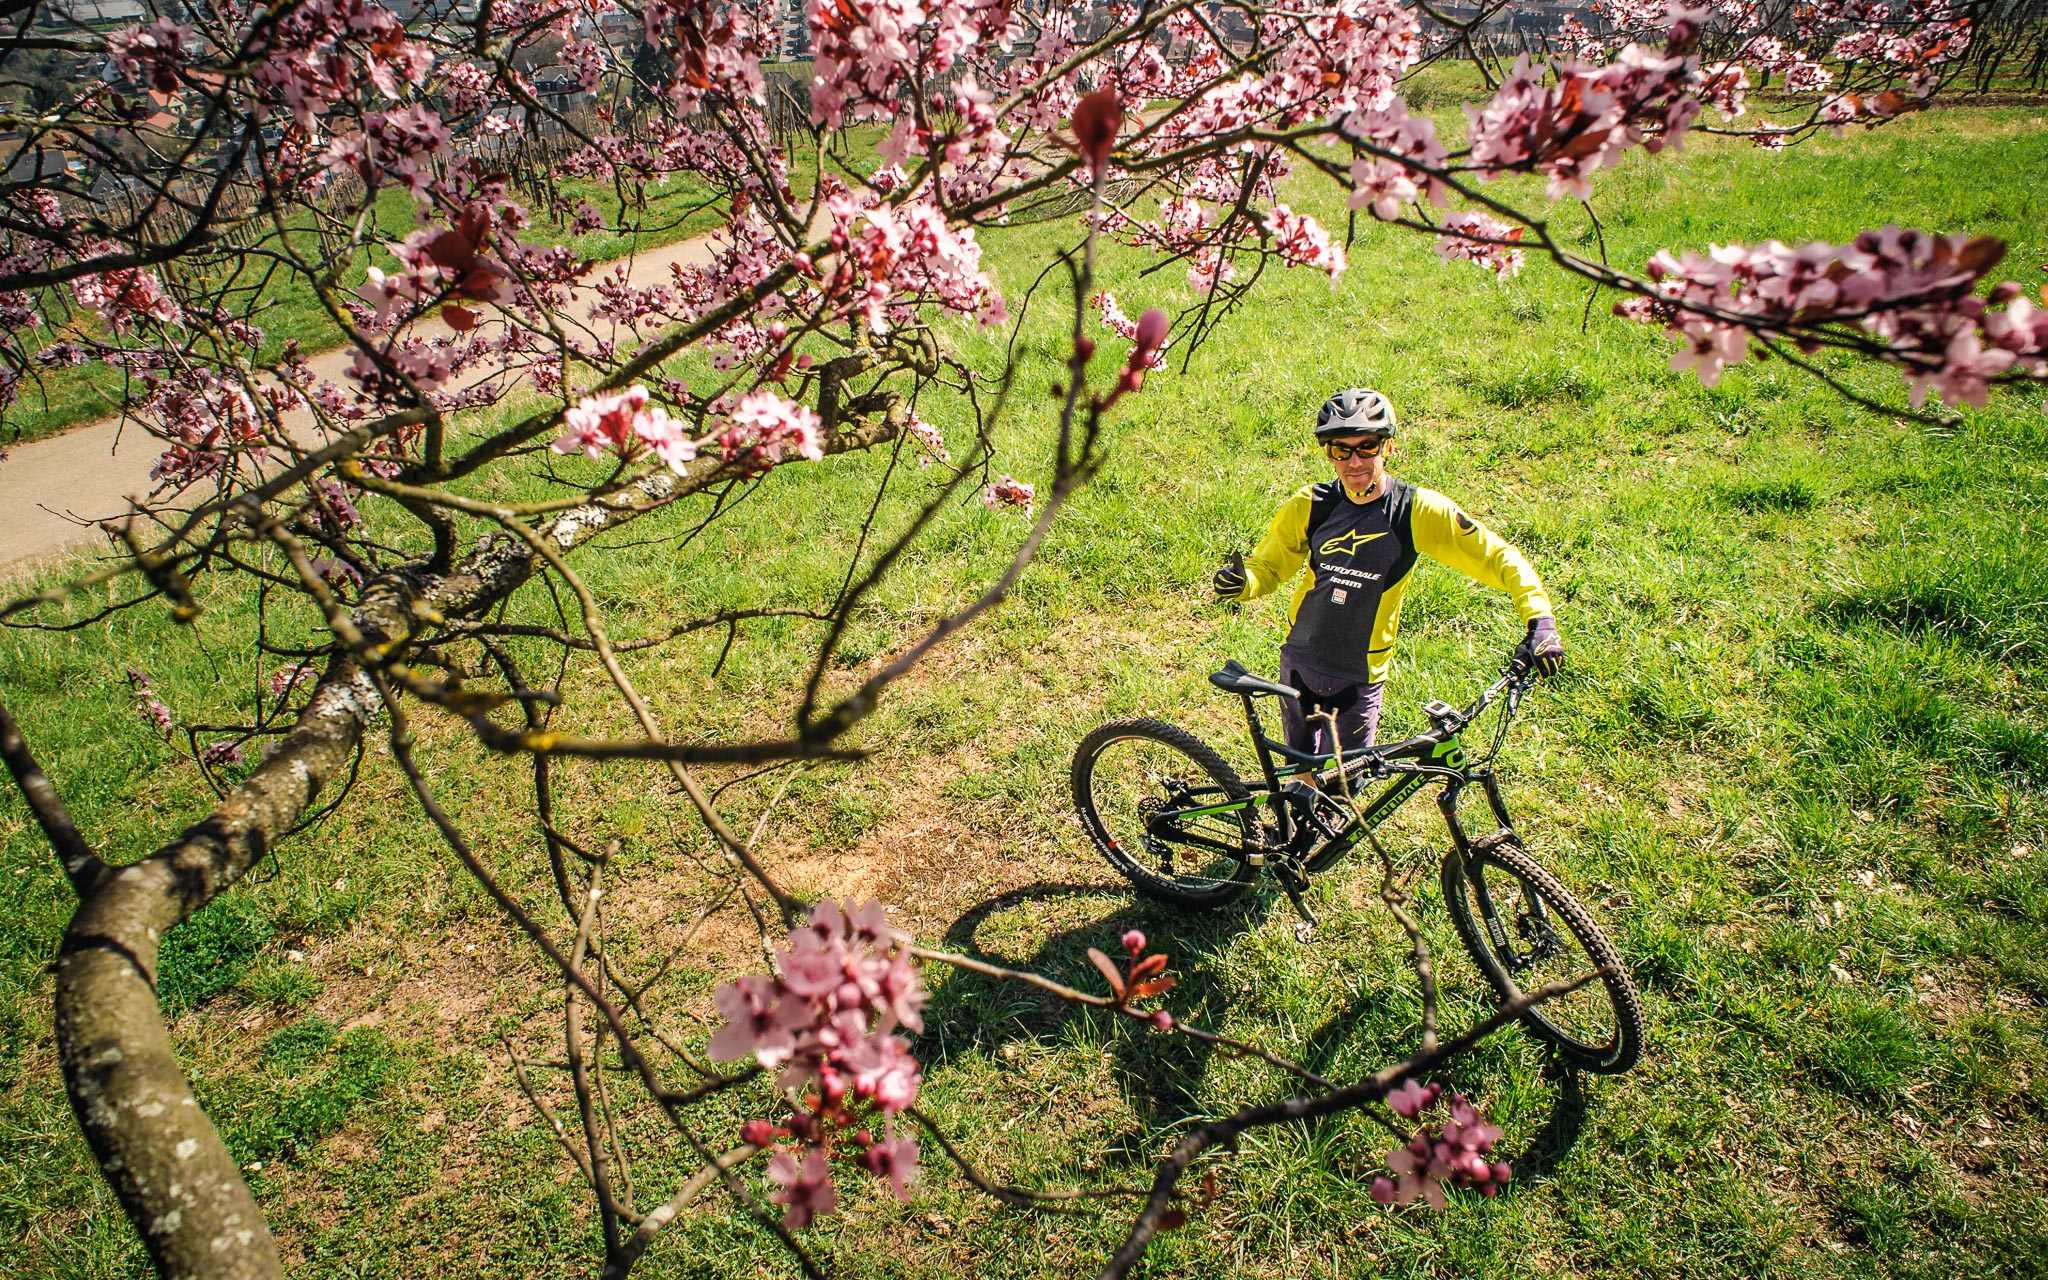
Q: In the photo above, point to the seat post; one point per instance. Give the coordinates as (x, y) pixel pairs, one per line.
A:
(1251, 715)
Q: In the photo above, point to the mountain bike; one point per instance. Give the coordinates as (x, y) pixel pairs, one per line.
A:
(1179, 823)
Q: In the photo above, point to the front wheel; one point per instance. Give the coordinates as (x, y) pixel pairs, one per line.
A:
(1166, 811)
(1539, 934)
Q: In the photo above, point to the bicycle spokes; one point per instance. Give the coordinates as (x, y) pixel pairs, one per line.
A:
(1187, 829)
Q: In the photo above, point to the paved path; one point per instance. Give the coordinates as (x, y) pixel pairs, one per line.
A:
(52, 490)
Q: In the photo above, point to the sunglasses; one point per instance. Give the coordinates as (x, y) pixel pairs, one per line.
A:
(1370, 447)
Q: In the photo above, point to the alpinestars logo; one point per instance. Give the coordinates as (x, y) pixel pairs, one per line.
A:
(1345, 544)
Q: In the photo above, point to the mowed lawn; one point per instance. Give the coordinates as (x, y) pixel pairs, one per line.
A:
(1796, 767)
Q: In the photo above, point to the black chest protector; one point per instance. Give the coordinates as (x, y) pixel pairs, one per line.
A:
(1356, 550)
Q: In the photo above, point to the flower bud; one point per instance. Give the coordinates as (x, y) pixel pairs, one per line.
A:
(757, 1133)
(804, 361)
(1383, 1190)
(1501, 1171)
(1084, 347)
(1134, 942)
(1162, 1021)
(1151, 330)
(1097, 118)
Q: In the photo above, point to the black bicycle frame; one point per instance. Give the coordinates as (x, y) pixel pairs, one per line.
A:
(1438, 755)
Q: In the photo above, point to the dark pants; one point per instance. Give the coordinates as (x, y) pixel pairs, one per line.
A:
(1305, 722)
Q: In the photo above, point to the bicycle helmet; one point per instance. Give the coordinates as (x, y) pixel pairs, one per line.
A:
(1359, 411)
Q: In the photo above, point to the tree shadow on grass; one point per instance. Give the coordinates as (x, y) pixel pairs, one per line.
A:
(971, 1012)
(1161, 1075)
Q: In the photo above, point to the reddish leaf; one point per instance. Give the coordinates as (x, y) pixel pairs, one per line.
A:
(451, 249)
(1103, 962)
(1173, 1219)
(1147, 967)
(1156, 987)
(460, 319)
(1981, 254)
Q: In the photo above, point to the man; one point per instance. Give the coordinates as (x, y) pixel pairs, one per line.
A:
(1360, 534)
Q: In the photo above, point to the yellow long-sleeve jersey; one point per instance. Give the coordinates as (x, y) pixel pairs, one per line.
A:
(1346, 611)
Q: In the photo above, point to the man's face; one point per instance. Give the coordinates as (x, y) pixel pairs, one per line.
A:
(1359, 459)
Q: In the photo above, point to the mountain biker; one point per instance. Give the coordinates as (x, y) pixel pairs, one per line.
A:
(1365, 529)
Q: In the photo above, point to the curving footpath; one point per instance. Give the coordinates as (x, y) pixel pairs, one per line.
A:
(53, 491)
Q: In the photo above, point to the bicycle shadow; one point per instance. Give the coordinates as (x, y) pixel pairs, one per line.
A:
(1162, 1075)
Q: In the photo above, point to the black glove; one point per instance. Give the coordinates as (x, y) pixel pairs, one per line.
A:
(1541, 650)
(1230, 580)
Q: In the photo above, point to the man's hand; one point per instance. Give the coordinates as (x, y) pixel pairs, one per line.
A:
(1541, 648)
(1229, 581)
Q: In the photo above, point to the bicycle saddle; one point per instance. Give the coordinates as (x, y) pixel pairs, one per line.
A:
(1237, 680)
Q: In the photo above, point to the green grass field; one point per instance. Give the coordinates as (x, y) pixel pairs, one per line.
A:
(1796, 767)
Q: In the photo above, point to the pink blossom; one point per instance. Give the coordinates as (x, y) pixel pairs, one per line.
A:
(1454, 1155)
(623, 422)
(1381, 185)
(760, 1021)
(1906, 288)
(125, 295)
(765, 428)
(153, 54)
(217, 754)
(1008, 492)
(1491, 247)
(1409, 1098)
(290, 677)
(806, 1189)
(152, 709)
(1302, 241)
(896, 1161)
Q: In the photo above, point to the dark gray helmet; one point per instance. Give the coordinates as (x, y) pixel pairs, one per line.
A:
(1359, 411)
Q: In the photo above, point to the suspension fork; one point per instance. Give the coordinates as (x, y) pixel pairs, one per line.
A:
(1489, 783)
(1461, 845)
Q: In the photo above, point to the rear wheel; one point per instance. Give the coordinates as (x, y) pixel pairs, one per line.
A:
(1547, 937)
(1166, 811)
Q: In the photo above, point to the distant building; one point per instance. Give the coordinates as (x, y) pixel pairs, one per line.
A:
(93, 13)
(559, 89)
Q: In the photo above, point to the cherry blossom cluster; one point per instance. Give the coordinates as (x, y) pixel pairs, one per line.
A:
(1912, 291)
(1301, 241)
(626, 424)
(1009, 492)
(1481, 238)
(395, 144)
(765, 429)
(1456, 1154)
(213, 423)
(1587, 118)
(152, 55)
(126, 295)
(289, 677)
(908, 253)
(930, 441)
(863, 49)
(828, 1021)
(150, 707)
